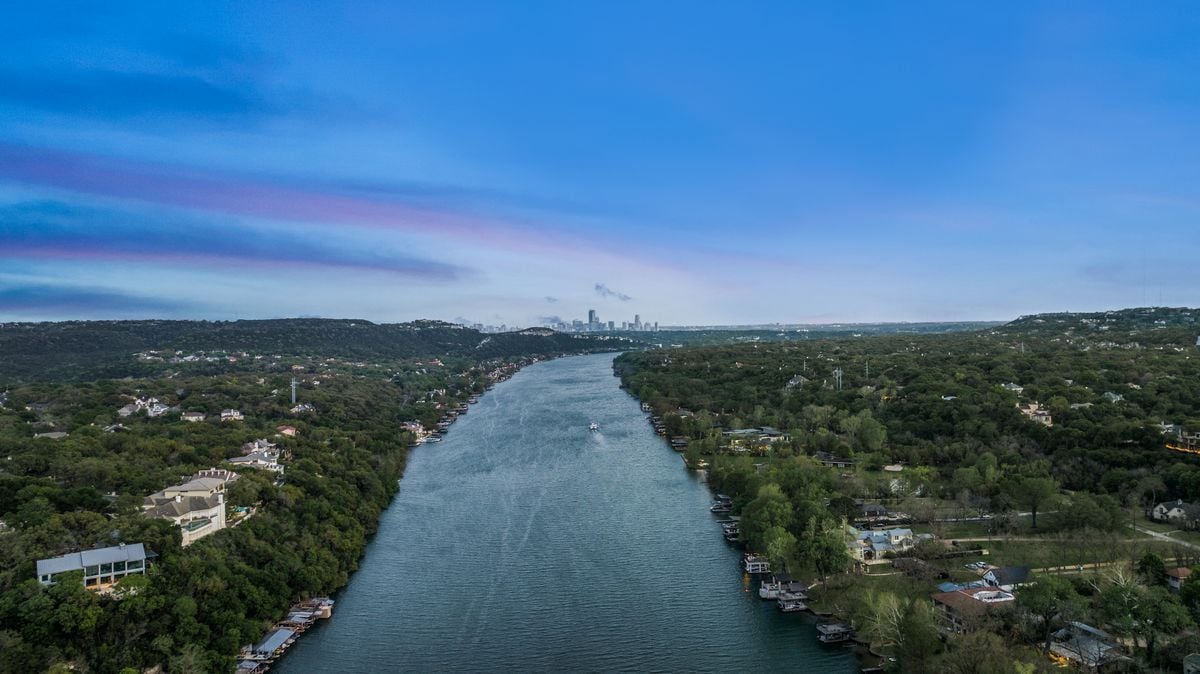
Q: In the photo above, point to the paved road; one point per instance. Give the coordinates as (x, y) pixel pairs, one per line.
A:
(1165, 538)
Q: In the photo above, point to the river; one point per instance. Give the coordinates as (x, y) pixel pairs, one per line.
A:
(524, 542)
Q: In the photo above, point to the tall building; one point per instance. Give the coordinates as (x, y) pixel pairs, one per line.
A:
(637, 321)
(592, 318)
(611, 325)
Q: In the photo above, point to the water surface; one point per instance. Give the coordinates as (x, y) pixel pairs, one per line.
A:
(524, 542)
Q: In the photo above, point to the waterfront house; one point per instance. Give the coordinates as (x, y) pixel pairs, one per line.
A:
(197, 506)
(757, 564)
(196, 516)
(1007, 577)
(101, 568)
(231, 415)
(961, 610)
(871, 546)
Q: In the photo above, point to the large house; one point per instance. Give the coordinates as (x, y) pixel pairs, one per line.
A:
(1035, 412)
(196, 506)
(231, 415)
(870, 546)
(260, 460)
(192, 416)
(1177, 512)
(101, 568)
(961, 610)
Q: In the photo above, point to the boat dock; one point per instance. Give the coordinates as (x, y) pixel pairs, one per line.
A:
(258, 658)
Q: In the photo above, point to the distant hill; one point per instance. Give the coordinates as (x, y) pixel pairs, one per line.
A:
(1149, 326)
(48, 351)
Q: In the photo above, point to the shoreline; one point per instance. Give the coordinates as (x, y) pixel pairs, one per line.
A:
(863, 650)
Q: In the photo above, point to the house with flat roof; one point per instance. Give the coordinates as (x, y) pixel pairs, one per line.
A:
(827, 459)
(101, 568)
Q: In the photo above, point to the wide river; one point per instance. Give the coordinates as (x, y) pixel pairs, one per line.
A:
(524, 542)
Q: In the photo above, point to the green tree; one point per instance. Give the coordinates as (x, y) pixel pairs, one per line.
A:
(770, 508)
(1033, 492)
(1048, 601)
(919, 640)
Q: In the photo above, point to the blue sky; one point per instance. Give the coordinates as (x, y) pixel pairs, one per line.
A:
(504, 162)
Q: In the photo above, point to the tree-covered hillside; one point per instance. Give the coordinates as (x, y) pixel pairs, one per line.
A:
(74, 349)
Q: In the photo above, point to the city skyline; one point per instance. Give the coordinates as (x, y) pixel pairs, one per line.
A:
(519, 164)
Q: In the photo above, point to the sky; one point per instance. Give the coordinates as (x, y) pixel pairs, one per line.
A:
(522, 162)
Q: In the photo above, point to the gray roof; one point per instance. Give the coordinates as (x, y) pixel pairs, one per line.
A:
(273, 641)
(78, 560)
(1010, 575)
(185, 505)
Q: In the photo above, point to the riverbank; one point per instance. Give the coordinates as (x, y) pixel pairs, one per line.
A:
(525, 542)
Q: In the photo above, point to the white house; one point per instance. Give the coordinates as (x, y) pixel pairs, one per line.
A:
(192, 416)
(196, 516)
(231, 415)
(258, 460)
(1178, 512)
(196, 506)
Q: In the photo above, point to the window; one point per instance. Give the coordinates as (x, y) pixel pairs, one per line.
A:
(134, 564)
(118, 567)
(106, 569)
(92, 571)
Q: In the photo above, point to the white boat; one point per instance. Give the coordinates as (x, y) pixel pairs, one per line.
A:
(594, 426)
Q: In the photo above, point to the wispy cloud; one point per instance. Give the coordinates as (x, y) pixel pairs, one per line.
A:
(246, 195)
(83, 301)
(606, 292)
(57, 230)
(120, 96)
(551, 300)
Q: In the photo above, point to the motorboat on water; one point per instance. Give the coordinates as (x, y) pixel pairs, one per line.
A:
(594, 426)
